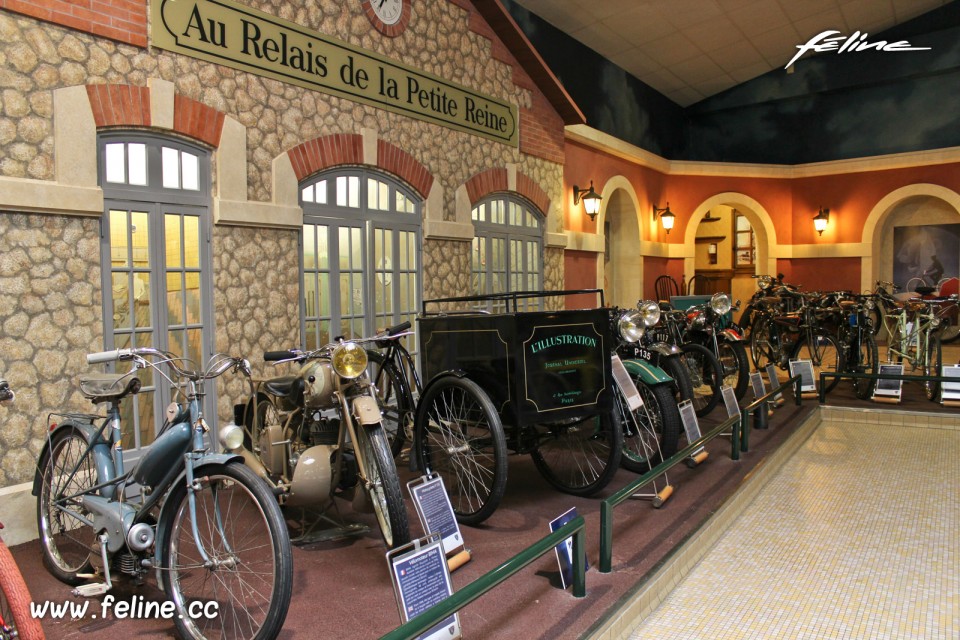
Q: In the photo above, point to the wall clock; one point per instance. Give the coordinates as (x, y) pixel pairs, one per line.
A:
(389, 17)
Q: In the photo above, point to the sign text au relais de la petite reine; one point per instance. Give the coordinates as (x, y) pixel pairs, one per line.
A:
(231, 34)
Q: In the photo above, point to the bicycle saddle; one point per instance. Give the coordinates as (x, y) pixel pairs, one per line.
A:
(108, 387)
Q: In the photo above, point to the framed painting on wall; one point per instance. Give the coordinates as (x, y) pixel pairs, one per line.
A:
(925, 254)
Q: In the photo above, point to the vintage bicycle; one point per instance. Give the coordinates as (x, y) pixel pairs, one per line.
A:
(204, 522)
(914, 330)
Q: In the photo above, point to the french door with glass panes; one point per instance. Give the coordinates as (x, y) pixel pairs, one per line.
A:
(361, 256)
(156, 266)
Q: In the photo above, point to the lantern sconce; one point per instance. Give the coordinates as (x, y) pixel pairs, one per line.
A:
(820, 220)
(591, 200)
(667, 217)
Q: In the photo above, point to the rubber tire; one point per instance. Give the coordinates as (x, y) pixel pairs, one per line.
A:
(15, 599)
(570, 442)
(951, 326)
(699, 357)
(869, 355)
(762, 351)
(934, 367)
(66, 570)
(834, 363)
(253, 421)
(736, 353)
(396, 408)
(389, 507)
(674, 367)
(658, 415)
(486, 447)
(277, 533)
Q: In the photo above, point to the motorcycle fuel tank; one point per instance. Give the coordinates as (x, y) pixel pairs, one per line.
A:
(165, 453)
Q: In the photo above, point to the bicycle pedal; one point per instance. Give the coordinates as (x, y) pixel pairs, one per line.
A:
(91, 590)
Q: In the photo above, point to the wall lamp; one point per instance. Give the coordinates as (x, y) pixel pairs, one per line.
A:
(591, 200)
(820, 220)
(667, 217)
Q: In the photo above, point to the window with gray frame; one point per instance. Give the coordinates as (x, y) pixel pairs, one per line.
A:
(157, 288)
(507, 251)
(361, 255)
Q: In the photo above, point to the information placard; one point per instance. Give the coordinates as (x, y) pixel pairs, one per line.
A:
(421, 579)
(690, 424)
(951, 390)
(730, 401)
(436, 513)
(756, 383)
(564, 550)
(889, 388)
(774, 381)
(626, 384)
(804, 368)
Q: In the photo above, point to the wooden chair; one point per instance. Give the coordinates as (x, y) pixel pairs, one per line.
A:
(698, 285)
(665, 287)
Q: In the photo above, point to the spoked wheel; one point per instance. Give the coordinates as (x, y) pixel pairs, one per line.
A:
(866, 362)
(826, 356)
(242, 590)
(15, 619)
(395, 400)
(705, 376)
(382, 485)
(763, 351)
(934, 367)
(653, 431)
(257, 416)
(675, 367)
(579, 457)
(458, 435)
(66, 475)
(735, 366)
(951, 325)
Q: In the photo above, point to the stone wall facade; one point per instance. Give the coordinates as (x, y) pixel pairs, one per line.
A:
(50, 259)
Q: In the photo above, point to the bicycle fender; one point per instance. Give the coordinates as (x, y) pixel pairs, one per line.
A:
(648, 373)
(457, 373)
(102, 458)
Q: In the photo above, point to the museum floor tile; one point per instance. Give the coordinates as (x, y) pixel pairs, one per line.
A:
(856, 536)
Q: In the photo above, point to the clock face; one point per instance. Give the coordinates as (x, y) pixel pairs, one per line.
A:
(388, 11)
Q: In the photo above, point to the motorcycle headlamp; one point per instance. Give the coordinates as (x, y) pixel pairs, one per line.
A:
(630, 326)
(720, 303)
(650, 312)
(697, 320)
(764, 282)
(349, 360)
(869, 305)
(231, 437)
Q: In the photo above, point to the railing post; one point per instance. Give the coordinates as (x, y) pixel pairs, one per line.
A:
(797, 393)
(745, 436)
(735, 432)
(606, 537)
(760, 416)
(579, 564)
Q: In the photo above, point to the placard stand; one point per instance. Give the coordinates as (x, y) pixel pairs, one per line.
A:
(635, 403)
(804, 369)
(731, 404)
(888, 391)
(421, 579)
(774, 381)
(759, 390)
(692, 428)
(950, 391)
(436, 515)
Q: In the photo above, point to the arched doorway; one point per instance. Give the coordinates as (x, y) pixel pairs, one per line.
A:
(622, 262)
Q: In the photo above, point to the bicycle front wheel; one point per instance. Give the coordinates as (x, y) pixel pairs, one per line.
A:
(735, 365)
(762, 348)
(66, 475)
(866, 362)
(652, 432)
(706, 376)
(826, 356)
(382, 484)
(458, 435)
(934, 367)
(243, 589)
(15, 619)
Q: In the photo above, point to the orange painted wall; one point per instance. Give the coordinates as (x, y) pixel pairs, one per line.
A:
(790, 202)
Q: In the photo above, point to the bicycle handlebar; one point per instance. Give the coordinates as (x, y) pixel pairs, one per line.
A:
(115, 355)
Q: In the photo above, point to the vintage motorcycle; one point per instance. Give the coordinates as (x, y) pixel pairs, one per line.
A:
(318, 435)
(706, 326)
(204, 521)
(653, 431)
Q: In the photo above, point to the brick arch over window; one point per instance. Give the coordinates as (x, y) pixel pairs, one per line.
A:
(493, 180)
(347, 148)
(127, 105)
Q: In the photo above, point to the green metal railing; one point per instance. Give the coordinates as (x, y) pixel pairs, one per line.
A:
(486, 582)
(739, 427)
(876, 376)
